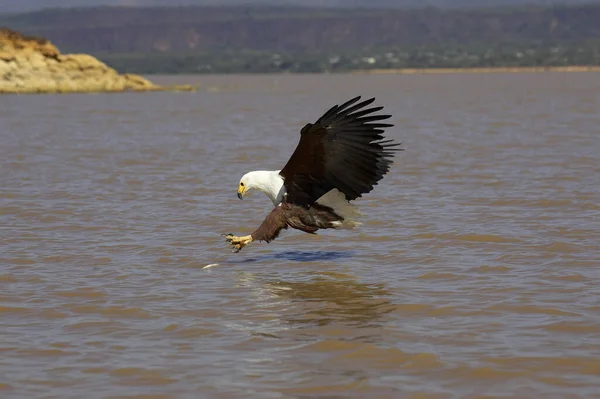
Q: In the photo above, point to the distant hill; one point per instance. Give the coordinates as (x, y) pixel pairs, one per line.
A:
(31, 5)
(172, 29)
(200, 39)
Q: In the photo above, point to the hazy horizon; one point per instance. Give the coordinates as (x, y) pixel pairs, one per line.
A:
(11, 6)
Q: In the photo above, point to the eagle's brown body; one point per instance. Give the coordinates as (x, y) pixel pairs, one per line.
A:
(295, 216)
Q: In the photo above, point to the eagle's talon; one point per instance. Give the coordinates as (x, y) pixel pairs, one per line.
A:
(237, 243)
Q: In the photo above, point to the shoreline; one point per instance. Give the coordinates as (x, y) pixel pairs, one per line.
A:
(424, 71)
(36, 90)
(401, 71)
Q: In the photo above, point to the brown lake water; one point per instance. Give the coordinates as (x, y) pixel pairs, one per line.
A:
(476, 272)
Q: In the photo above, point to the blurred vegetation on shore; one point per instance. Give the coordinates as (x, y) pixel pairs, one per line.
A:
(246, 61)
(187, 40)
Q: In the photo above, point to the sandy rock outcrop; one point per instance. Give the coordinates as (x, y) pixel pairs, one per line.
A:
(34, 65)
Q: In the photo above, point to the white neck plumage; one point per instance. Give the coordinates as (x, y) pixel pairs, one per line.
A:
(269, 182)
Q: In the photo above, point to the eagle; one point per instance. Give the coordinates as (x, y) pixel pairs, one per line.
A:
(338, 158)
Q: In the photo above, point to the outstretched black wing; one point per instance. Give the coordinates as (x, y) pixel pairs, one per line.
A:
(343, 149)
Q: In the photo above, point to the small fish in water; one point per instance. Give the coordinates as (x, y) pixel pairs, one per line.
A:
(209, 266)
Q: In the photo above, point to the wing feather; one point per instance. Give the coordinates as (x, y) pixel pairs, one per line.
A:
(343, 149)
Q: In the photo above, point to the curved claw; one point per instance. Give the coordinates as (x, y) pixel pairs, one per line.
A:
(237, 243)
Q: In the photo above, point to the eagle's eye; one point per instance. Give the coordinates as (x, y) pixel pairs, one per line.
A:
(242, 184)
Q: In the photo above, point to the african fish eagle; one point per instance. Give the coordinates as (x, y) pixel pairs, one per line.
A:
(339, 158)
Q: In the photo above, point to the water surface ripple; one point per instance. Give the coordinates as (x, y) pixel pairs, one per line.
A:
(475, 273)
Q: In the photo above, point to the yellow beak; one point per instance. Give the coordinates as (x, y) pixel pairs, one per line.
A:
(241, 191)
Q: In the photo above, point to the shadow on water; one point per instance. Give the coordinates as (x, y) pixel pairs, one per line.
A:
(299, 256)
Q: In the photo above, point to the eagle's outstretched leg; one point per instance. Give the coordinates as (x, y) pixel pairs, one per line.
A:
(267, 231)
(237, 243)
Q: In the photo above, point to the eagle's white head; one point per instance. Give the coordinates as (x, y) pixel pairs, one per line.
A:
(269, 182)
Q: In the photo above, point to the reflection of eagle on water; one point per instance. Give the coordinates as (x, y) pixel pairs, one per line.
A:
(339, 157)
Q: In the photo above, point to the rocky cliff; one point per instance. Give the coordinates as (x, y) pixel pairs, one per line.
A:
(34, 65)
